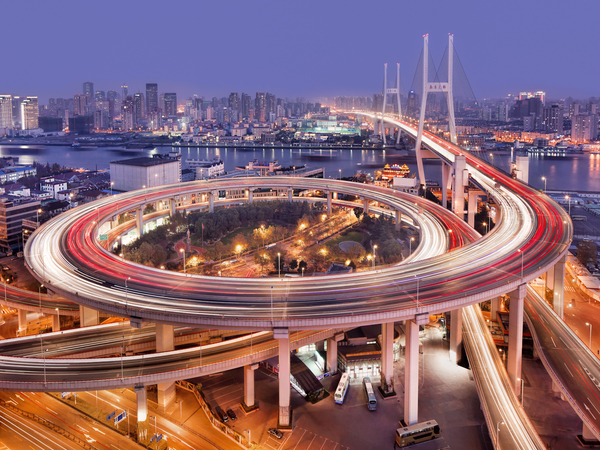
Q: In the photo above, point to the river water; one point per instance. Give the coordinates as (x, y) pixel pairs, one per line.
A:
(574, 173)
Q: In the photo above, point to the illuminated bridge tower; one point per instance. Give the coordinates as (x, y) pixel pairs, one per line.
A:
(394, 91)
(435, 86)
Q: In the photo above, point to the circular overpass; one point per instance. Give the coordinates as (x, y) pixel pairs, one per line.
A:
(533, 232)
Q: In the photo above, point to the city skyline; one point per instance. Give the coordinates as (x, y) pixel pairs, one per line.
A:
(305, 52)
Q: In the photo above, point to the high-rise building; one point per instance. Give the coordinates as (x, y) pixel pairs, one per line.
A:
(124, 91)
(29, 113)
(246, 105)
(151, 97)
(112, 98)
(127, 114)
(170, 104)
(99, 96)
(260, 106)
(234, 101)
(79, 104)
(6, 116)
(271, 103)
(138, 107)
(584, 128)
(552, 119)
(88, 90)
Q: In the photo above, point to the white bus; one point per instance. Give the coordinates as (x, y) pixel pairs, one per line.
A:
(414, 434)
(340, 392)
(371, 400)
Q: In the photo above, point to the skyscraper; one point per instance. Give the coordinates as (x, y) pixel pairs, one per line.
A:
(99, 95)
(6, 117)
(151, 97)
(584, 127)
(260, 106)
(88, 90)
(29, 113)
(234, 101)
(79, 104)
(124, 92)
(138, 107)
(127, 114)
(170, 104)
(246, 105)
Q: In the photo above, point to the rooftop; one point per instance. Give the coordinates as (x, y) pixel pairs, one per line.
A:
(144, 161)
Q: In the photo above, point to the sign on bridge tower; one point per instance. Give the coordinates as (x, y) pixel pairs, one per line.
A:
(393, 91)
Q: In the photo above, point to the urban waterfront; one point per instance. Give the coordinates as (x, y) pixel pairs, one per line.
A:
(573, 173)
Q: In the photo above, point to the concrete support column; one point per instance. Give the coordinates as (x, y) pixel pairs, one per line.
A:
(411, 373)
(398, 220)
(250, 195)
(142, 411)
(285, 410)
(328, 193)
(139, 219)
(366, 205)
(587, 434)
(387, 357)
(522, 167)
(211, 201)
(55, 322)
(249, 403)
(550, 279)
(290, 192)
(88, 316)
(332, 352)
(559, 286)
(22, 317)
(461, 179)
(456, 335)
(494, 308)
(472, 208)
(446, 179)
(515, 337)
(172, 207)
(165, 343)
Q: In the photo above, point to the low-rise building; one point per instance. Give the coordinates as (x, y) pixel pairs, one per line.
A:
(12, 212)
(137, 173)
(206, 168)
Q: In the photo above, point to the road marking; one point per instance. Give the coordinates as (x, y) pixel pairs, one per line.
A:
(56, 414)
(96, 429)
(592, 403)
(568, 369)
(19, 397)
(323, 444)
(553, 342)
(299, 440)
(81, 428)
(311, 442)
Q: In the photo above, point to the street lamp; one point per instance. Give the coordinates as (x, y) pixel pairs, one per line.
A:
(569, 198)
(521, 380)
(37, 217)
(303, 271)
(590, 325)
(410, 245)
(58, 313)
(498, 434)
(340, 170)
(278, 265)
(183, 253)
(373, 260)
(544, 178)
(39, 295)
(522, 256)
(111, 185)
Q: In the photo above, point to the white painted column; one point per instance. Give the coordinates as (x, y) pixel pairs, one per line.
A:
(522, 163)
(398, 220)
(249, 403)
(285, 410)
(456, 335)
(88, 316)
(387, 353)
(172, 207)
(142, 411)
(290, 192)
(139, 219)
(250, 195)
(461, 179)
(165, 343)
(515, 337)
(22, 317)
(55, 322)
(494, 308)
(446, 168)
(559, 286)
(366, 205)
(211, 201)
(411, 373)
(472, 208)
(328, 193)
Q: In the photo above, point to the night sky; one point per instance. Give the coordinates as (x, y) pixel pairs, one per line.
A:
(301, 48)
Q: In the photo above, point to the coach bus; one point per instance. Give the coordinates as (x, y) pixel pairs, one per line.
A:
(414, 434)
(371, 400)
(340, 392)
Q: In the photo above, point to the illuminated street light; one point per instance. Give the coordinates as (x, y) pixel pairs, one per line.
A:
(590, 325)
(183, 253)
(544, 178)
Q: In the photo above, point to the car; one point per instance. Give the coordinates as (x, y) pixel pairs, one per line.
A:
(221, 414)
(275, 433)
(231, 414)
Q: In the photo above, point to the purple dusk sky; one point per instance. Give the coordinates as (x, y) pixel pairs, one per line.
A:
(302, 48)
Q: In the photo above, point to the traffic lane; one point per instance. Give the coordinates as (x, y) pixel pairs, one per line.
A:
(570, 359)
(578, 312)
(68, 418)
(31, 434)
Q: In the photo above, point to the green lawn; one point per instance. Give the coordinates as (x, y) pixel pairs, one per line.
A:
(356, 236)
(247, 231)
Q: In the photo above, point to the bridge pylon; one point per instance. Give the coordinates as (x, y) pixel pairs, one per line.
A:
(394, 91)
(435, 86)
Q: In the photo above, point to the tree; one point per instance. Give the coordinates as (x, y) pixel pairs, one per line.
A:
(358, 212)
(302, 265)
(587, 252)
(293, 264)
(262, 258)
